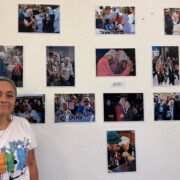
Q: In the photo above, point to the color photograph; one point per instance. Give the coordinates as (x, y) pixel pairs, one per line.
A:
(74, 108)
(172, 21)
(115, 20)
(11, 63)
(31, 107)
(121, 152)
(60, 66)
(165, 63)
(122, 107)
(38, 18)
(115, 62)
(166, 106)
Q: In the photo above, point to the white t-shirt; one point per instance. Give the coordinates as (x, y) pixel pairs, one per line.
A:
(15, 142)
(67, 71)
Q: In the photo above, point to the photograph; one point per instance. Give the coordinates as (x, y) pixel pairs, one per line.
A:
(166, 106)
(74, 108)
(165, 63)
(172, 21)
(38, 18)
(123, 107)
(30, 107)
(11, 63)
(121, 152)
(115, 62)
(115, 20)
(60, 62)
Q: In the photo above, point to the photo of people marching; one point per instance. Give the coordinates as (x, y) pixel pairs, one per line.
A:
(121, 152)
(31, 107)
(166, 106)
(165, 63)
(60, 66)
(39, 18)
(11, 63)
(115, 20)
(115, 62)
(123, 107)
(172, 21)
(74, 108)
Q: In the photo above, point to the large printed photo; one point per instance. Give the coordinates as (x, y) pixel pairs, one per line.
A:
(38, 18)
(74, 108)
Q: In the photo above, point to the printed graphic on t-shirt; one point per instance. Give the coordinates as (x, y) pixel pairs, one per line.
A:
(13, 158)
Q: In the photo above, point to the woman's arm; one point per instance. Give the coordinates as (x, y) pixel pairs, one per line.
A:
(31, 163)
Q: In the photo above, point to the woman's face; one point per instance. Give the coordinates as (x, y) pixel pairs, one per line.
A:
(125, 147)
(7, 98)
(86, 102)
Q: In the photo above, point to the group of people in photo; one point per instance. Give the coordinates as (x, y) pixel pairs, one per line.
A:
(167, 107)
(39, 18)
(172, 21)
(124, 110)
(31, 108)
(60, 71)
(166, 68)
(74, 108)
(115, 62)
(115, 20)
(11, 63)
(120, 151)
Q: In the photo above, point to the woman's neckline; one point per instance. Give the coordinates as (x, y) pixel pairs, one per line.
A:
(11, 119)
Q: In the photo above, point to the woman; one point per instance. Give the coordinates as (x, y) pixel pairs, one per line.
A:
(48, 20)
(67, 74)
(17, 139)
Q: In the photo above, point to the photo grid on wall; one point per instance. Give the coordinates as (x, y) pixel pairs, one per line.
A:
(117, 106)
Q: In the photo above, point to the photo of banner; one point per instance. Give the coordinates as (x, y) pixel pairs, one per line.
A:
(74, 108)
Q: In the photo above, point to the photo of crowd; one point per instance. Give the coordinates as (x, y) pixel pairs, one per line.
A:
(31, 107)
(74, 108)
(115, 62)
(172, 21)
(165, 63)
(60, 66)
(166, 106)
(115, 20)
(123, 107)
(11, 63)
(121, 152)
(36, 18)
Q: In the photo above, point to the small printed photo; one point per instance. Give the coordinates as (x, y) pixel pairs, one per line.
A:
(123, 107)
(115, 62)
(121, 152)
(165, 62)
(166, 106)
(31, 107)
(115, 20)
(172, 21)
(74, 108)
(11, 63)
(60, 64)
(38, 18)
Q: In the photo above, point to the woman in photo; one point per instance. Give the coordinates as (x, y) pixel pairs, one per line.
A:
(17, 139)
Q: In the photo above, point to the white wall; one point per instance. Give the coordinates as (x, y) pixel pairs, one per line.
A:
(77, 151)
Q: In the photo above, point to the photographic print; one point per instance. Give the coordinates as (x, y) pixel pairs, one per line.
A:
(11, 63)
(166, 106)
(165, 62)
(31, 107)
(172, 21)
(123, 107)
(60, 66)
(38, 18)
(115, 62)
(121, 152)
(115, 20)
(74, 108)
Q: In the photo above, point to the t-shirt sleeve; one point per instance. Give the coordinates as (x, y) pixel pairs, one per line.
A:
(32, 140)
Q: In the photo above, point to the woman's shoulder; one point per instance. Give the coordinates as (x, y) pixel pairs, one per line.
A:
(20, 121)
